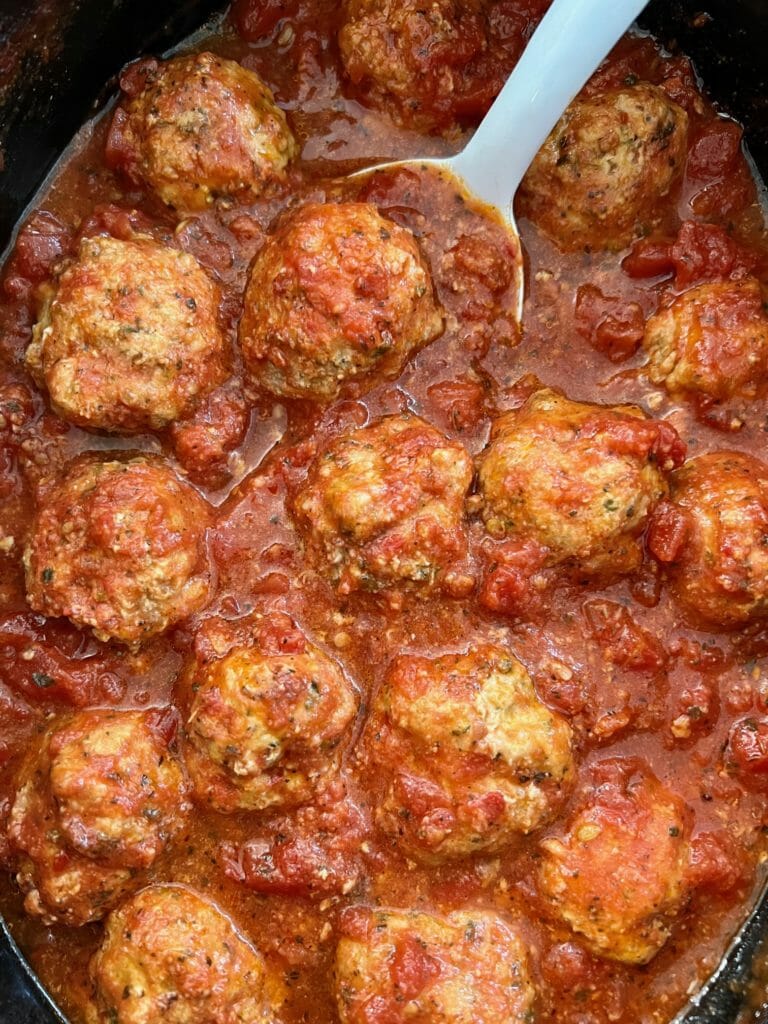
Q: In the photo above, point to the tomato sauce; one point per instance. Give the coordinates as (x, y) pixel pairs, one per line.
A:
(618, 661)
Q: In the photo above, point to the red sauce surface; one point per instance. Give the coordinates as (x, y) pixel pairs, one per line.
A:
(618, 661)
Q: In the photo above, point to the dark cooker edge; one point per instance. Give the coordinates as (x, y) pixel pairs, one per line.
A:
(64, 53)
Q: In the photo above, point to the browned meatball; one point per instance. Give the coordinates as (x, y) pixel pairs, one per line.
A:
(597, 180)
(97, 802)
(170, 954)
(711, 341)
(384, 506)
(197, 127)
(119, 546)
(128, 338)
(713, 534)
(415, 59)
(264, 726)
(580, 480)
(467, 756)
(469, 967)
(336, 294)
(617, 875)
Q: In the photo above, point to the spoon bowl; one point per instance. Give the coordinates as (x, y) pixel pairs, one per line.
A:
(570, 43)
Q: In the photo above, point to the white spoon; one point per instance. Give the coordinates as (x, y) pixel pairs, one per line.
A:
(569, 44)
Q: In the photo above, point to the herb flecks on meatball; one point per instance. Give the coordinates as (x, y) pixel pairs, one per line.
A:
(172, 954)
(338, 293)
(617, 875)
(127, 339)
(598, 180)
(198, 127)
(383, 507)
(264, 728)
(120, 547)
(469, 757)
(468, 967)
(97, 802)
(711, 536)
(578, 479)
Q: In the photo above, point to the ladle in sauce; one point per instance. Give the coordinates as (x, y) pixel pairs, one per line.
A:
(569, 44)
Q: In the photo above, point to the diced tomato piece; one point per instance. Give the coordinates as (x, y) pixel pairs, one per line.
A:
(280, 635)
(747, 751)
(718, 864)
(42, 241)
(459, 403)
(164, 722)
(611, 325)
(725, 197)
(679, 83)
(623, 642)
(649, 257)
(705, 252)
(667, 531)
(204, 442)
(637, 437)
(716, 150)
(412, 969)
(700, 252)
(506, 587)
(702, 657)
(117, 221)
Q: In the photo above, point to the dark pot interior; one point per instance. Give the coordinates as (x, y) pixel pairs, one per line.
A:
(58, 61)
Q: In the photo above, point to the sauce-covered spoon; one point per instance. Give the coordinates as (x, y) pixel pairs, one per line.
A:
(569, 44)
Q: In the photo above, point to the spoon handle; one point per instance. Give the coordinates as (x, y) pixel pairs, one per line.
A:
(569, 44)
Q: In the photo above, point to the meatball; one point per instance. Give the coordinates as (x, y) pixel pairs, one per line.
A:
(264, 729)
(97, 803)
(711, 341)
(713, 535)
(384, 506)
(337, 293)
(197, 127)
(467, 756)
(469, 967)
(411, 58)
(617, 876)
(172, 954)
(580, 480)
(128, 338)
(119, 546)
(597, 180)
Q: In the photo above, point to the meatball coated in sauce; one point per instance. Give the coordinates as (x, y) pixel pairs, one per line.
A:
(409, 56)
(337, 293)
(710, 342)
(264, 729)
(383, 507)
(617, 875)
(128, 338)
(713, 536)
(578, 479)
(172, 954)
(120, 547)
(197, 127)
(468, 754)
(469, 967)
(597, 181)
(97, 803)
